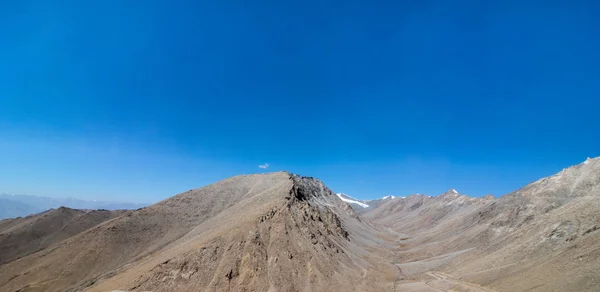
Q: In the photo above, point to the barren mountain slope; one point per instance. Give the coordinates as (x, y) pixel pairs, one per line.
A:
(22, 236)
(255, 233)
(547, 233)
(282, 232)
(99, 251)
(540, 238)
(301, 238)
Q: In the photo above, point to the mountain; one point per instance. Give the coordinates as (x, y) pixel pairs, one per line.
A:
(276, 231)
(12, 206)
(12, 209)
(284, 232)
(361, 206)
(354, 203)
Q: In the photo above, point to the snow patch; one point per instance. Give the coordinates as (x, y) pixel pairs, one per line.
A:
(587, 161)
(454, 191)
(388, 197)
(352, 201)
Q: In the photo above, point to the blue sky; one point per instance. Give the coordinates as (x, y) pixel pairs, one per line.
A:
(140, 100)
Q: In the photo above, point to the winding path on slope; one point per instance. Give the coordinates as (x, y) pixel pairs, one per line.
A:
(464, 285)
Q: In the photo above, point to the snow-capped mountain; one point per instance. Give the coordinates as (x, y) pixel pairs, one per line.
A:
(363, 205)
(352, 201)
(451, 196)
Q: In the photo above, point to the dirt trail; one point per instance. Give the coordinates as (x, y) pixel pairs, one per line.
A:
(434, 287)
(464, 286)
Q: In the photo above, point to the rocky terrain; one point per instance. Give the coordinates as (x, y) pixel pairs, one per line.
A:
(283, 232)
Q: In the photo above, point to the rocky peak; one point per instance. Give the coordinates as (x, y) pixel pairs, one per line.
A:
(488, 197)
(451, 193)
(307, 188)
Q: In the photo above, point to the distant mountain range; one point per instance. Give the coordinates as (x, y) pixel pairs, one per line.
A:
(12, 206)
(361, 206)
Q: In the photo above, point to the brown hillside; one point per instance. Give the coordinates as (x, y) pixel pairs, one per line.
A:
(282, 232)
(542, 237)
(256, 231)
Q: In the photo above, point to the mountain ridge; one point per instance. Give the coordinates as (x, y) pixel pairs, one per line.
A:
(285, 232)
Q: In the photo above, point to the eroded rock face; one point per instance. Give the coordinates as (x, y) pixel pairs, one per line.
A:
(295, 245)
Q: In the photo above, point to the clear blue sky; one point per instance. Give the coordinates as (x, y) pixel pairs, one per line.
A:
(140, 100)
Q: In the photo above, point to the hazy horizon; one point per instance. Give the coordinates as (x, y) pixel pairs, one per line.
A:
(359, 196)
(8, 194)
